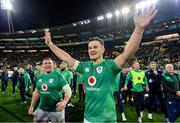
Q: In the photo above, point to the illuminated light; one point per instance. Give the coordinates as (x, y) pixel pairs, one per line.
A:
(117, 12)
(6, 4)
(109, 15)
(100, 18)
(125, 10)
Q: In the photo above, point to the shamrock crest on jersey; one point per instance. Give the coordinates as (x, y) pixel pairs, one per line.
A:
(87, 69)
(91, 80)
(99, 69)
(44, 87)
(51, 80)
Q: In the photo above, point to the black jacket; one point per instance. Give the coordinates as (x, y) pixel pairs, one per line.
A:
(154, 79)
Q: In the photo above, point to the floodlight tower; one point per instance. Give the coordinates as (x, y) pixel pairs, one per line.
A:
(125, 11)
(6, 5)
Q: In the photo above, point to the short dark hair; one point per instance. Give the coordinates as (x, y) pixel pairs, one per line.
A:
(47, 58)
(97, 39)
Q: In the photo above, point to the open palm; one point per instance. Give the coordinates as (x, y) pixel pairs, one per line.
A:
(142, 20)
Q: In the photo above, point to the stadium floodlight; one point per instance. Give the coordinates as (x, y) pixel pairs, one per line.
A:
(109, 15)
(154, 1)
(117, 12)
(33, 31)
(87, 21)
(6, 4)
(74, 24)
(100, 18)
(81, 22)
(125, 11)
(145, 4)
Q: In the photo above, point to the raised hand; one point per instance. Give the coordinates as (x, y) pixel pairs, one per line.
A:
(143, 18)
(47, 37)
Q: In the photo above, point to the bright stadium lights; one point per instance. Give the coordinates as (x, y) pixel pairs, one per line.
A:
(117, 12)
(33, 31)
(100, 18)
(87, 21)
(81, 22)
(146, 3)
(109, 15)
(125, 11)
(6, 4)
(74, 24)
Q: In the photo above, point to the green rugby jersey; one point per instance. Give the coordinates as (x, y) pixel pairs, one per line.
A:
(99, 82)
(79, 79)
(67, 75)
(50, 87)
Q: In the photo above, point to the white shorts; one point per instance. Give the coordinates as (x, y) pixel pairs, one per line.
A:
(40, 115)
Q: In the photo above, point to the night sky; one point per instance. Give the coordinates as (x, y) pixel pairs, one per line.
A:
(34, 14)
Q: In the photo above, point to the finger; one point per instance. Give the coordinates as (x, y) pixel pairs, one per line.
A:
(57, 104)
(59, 108)
(153, 14)
(150, 9)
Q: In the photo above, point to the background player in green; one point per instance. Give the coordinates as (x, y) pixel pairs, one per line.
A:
(67, 74)
(139, 82)
(50, 83)
(99, 74)
(80, 83)
(118, 96)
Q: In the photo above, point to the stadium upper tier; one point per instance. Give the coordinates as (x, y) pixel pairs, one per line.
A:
(79, 34)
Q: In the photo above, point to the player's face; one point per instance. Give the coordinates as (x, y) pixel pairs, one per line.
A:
(153, 66)
(21, 70)
(136, 65)
(95, 50)
(47, 65)
(170, 68)
(28, 66)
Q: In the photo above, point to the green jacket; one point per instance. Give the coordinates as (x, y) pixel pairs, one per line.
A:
(170, 84)
(27, 81)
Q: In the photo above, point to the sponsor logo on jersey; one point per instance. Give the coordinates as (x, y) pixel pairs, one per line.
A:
(51, 80)
(91, 80)
(87, 69)
(99, 69)
(44, 87)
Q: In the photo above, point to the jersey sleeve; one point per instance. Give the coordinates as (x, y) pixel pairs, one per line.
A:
(62, 81)
(80, 67)
(37, 83)
(114, 67)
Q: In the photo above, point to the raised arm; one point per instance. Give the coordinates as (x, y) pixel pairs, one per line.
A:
(141, 21)
(61, 54)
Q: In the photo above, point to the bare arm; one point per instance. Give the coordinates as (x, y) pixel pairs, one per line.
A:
(61, 105)
(61, 54)
(141, 21)
(34, 100)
